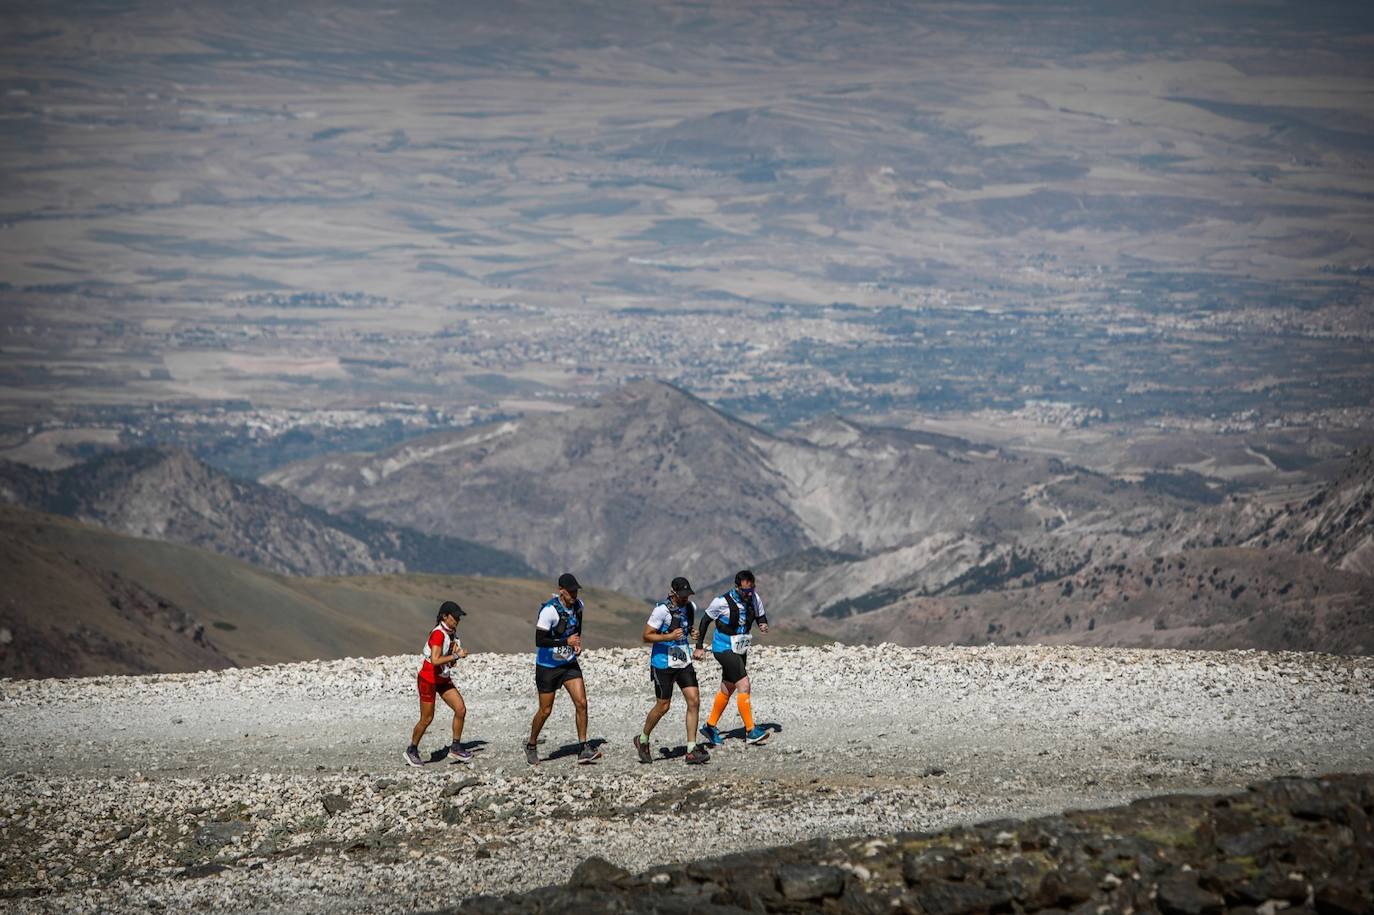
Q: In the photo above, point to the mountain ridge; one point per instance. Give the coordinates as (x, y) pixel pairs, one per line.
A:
(563, 489)
(168, 494)
(868, 518)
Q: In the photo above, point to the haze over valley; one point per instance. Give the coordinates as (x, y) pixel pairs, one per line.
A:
(971, 323)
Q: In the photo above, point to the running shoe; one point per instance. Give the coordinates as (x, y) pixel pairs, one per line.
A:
(712, 735)
(412, 757)
(532, 754)
(588, 755)
(757, 735)
(459, 756)
(646, 755)
(698, 755)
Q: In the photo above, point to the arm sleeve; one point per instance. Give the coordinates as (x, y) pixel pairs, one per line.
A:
(543, 639)
(701, 631)
(758, 606)
(715, 610)
(543, 636)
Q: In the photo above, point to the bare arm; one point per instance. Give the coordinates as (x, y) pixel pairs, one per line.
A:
(653, 635)
(437, 659)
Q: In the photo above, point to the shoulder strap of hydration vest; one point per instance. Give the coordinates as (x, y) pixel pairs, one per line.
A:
(734, 614)
(442, 648)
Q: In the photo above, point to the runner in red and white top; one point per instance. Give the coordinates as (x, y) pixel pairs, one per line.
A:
(442, 650)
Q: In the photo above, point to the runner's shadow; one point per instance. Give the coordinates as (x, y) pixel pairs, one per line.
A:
(572, 749)
(673, 752)
(738, 733)
(442, 753)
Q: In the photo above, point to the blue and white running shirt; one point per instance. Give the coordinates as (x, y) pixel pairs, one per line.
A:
(666, 617)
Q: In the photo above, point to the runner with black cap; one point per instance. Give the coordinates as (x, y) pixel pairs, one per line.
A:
(558, 642)
(442, 650)
(734, 614)
(670, 663)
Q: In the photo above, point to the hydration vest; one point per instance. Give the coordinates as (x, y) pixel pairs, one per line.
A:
(678, 618)
(569, 619)
(440, 670)
(740, 622)
(736, 612)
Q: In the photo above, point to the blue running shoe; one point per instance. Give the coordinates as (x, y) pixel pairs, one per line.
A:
(757, 735)
(712, 735)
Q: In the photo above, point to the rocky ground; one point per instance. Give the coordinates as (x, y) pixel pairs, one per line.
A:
(1300, 845)
(281, 788)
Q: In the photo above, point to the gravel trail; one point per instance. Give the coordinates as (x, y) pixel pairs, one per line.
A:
(282, 789)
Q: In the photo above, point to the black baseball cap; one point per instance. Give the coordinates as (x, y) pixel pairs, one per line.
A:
(680, 585)
(450, 606)
(568, 582)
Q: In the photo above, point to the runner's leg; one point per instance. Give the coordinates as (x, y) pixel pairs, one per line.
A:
(718, 706)
(693, 696)
(742, 701)
(426, 716)
(541, 715)
(656, 714)
(454, 700)
(577, 689)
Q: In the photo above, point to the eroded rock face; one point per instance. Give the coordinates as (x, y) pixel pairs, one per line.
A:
(1306, 843)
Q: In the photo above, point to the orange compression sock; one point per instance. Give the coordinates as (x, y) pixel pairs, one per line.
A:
(745, 711)
(717, 708)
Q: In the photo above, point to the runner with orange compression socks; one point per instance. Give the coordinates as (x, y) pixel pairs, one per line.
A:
(734, 614)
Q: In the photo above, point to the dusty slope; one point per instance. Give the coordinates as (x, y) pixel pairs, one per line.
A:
(1221, 598)
(78, 600)
(280, 788)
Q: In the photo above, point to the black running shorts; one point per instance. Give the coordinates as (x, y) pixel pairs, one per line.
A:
(665, 677)
(731, 666)
(548, 679)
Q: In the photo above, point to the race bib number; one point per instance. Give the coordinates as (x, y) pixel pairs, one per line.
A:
(564, 653)
(739, 644)
(678, 657)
